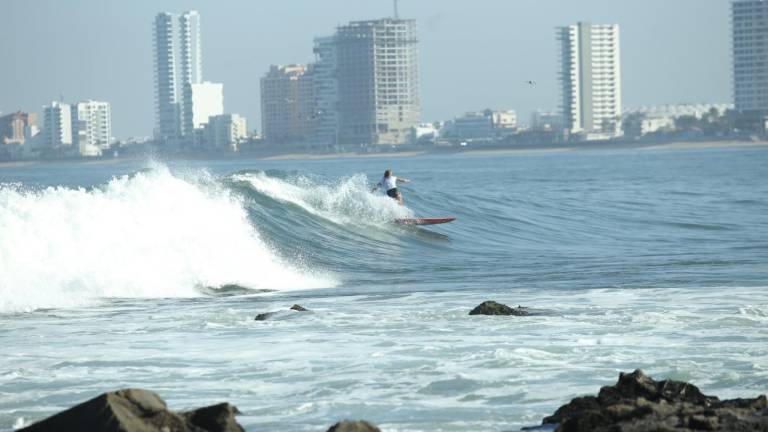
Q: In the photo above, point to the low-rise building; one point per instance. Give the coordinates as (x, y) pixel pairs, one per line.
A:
(225, 132)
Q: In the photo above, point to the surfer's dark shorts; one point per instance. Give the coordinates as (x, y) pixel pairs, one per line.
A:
(393, 193)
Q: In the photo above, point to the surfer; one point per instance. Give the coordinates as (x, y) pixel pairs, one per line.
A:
(389, 183)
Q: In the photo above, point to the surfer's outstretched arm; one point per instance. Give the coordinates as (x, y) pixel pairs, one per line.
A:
(375, 188)
(403, 180)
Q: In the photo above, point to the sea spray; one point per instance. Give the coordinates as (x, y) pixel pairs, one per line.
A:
(151, 234)
(345, 201)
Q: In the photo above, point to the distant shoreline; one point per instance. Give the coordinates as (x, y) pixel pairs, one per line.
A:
(521, 151)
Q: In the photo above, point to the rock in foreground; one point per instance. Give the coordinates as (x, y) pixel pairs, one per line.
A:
(638, 403)
(137, 410)
(353, 426)
(490, 307)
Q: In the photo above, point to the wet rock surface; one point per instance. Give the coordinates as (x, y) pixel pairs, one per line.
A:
(491, 307)
(638, 403)
(137, 410)
(353, 426)
(267, 315)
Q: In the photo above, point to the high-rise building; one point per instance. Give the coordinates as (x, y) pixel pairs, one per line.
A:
(183, 101)
(590, 75)
(167, 119)
(225, 132)
(191, 68)
(57, 129)
(92, 127)
(325, 91)
(377, 70)
(749, 24)
(287, 104)
(18, 127)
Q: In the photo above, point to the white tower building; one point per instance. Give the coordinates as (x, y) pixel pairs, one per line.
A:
(57, 127)
(92, 125)
(750, 51)
(590, 75)
(191, 67)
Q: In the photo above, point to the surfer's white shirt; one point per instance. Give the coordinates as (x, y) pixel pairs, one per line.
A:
(388, 183)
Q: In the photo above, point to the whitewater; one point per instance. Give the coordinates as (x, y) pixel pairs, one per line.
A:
(150, 273)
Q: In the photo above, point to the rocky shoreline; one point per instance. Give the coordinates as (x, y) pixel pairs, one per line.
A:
(635, 403)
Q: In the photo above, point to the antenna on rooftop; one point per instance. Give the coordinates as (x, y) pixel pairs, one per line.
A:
(397, 15)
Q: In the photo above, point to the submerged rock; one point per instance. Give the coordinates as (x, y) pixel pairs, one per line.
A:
(137, 410)
(353, 426)
(638, 403)
(490, 307)
(263, 316)
(266, 315)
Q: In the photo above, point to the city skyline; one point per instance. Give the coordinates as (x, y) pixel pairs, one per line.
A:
(515, 44)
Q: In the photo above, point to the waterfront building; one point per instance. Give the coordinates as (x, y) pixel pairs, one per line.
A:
(225, 132)
(590, 76)
(482, 125)
(377, 74)
(17, 128)
(287, 104)
(91, 127)
(325, 92)
(749, 26)
(546, 121)
(57, 129)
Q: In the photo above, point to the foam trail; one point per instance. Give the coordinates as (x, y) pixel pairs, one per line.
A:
(348, 201)
(147, 235)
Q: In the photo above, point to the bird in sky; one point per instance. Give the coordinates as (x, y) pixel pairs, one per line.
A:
(531, 82)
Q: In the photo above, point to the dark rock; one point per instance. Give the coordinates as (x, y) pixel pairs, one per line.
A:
(638, 403)
(353, 426)
(264, 316)
(215, 418)
(490, 307)
(137, 410)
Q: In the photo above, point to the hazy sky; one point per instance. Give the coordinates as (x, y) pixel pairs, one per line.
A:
(474, 54)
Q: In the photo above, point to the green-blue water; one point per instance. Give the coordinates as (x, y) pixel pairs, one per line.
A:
(111, 275)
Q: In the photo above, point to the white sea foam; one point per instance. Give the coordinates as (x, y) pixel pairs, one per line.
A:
(347, 201)
(148, 235)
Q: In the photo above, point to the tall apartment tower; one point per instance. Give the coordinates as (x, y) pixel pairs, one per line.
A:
(92, 127)
(191, 66)
(377, 70)
(167, 124)
(180, 93)
(590, 76)
(57, 129)
(287, 104)
(749, 26)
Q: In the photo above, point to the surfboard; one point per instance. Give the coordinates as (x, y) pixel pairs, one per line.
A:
(425, 221)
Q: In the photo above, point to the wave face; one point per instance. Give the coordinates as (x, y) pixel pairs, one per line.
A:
(345, 201)
(151, 234)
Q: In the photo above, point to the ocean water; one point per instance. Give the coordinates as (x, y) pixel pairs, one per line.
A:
(149, 274)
